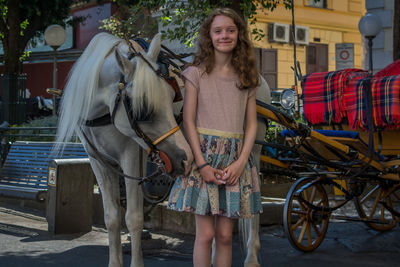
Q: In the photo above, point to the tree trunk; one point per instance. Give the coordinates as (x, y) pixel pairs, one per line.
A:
(234, 4)
(396, 30)
(11, 39)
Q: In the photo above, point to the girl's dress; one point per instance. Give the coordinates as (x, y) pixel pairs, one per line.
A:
(221, 109)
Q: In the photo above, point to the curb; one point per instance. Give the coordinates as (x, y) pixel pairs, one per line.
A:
(161, 218)
(272, 211)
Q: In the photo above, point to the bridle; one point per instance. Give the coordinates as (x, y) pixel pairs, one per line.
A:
(164, 165)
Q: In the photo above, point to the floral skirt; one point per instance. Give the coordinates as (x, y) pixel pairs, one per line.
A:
(192, 194)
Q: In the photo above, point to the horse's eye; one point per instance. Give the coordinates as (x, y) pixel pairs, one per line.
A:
(144, 115)
(178, 118)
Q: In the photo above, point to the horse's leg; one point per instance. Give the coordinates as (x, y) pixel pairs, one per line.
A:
(134, 206)
(109, 187)
(250, 227)
(253, 241)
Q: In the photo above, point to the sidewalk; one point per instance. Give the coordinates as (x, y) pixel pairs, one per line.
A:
(24, 241)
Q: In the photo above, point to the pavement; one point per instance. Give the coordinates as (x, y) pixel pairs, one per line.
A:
(25, 241)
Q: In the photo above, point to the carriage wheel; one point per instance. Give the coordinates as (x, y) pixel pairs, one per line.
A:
(305, 227)
(371, 205)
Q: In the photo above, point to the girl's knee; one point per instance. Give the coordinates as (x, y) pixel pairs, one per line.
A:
(224, 238)
(206, 236)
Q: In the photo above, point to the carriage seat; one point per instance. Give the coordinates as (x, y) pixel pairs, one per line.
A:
(349, 138)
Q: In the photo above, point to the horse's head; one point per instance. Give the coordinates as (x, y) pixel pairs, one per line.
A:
(150, 106)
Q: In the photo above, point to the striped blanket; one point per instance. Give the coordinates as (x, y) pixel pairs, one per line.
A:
(322, 95)
(385, 102)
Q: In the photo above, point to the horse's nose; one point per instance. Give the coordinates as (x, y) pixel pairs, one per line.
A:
(187, 162)
(184, 164)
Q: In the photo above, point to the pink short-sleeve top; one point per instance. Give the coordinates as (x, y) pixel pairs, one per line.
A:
(221, 105)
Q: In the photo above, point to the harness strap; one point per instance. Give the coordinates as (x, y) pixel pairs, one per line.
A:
(134, 125)
(101, 121)
(162, 137)
(111, 167)
(116, 104)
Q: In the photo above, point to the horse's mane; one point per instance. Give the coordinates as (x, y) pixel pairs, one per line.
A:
(146, 90)
(82, 83)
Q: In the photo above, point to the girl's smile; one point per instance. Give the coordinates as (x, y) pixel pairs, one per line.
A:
(224, 34)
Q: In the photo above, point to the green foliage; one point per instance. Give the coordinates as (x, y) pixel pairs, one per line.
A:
(50, 121)
(184, 18)
(24, 25)
(3, 8)
(131, 26)
(25, 55)
(273, 133)
(33, 18)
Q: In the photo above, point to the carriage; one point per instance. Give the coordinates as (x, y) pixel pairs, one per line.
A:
(349, 143)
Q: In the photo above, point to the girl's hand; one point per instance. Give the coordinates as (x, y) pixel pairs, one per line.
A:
(233, 172)
(211, 175)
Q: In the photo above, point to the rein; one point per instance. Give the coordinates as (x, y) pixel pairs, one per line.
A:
(100, 157)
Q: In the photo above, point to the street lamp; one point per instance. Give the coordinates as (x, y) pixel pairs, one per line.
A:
(369, 26)
(55, 36)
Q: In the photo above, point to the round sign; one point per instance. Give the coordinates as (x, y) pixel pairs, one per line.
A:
(344, 55)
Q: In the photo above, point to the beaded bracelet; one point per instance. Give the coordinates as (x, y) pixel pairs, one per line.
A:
(202, 166)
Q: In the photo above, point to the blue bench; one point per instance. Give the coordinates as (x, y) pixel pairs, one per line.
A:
(25, 170)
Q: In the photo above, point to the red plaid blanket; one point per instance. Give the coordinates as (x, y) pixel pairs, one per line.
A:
(322, 92)
(385, 102)
(389, 70)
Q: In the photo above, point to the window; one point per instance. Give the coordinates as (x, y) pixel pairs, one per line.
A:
(317, 58)
(316, 3)
(267, 60)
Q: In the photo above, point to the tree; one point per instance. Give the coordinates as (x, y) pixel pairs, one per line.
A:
(20, 20)
(185, 17)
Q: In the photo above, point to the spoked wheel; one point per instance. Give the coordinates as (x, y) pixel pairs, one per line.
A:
(379, 205)
(306, 226)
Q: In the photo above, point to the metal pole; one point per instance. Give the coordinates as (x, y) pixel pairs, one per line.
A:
(294, 45)
(296, 91)
(371, 69)
(54, 78)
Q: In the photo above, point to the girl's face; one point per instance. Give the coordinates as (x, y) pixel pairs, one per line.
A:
(224, 34)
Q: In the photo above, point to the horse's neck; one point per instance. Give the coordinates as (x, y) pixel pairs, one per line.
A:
(103, 98)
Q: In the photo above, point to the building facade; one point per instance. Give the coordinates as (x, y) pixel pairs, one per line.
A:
(320, 26)
(39, 66)
(382, 46)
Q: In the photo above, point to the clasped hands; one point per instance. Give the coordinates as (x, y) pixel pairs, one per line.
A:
(228, 176)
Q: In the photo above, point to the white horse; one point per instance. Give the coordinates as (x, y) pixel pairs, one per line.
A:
(112, 132)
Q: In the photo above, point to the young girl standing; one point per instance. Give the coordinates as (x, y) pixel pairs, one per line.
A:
(219, 97)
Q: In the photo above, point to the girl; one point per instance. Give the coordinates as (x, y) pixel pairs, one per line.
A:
(219, 96)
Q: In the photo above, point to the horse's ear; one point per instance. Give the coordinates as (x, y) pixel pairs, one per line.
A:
(137, 46)
(155, 47)
(124, 64)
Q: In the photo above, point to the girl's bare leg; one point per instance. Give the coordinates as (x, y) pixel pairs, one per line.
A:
(204, 236)
(223, 239)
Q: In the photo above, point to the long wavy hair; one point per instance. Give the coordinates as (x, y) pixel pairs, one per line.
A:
(243, 58)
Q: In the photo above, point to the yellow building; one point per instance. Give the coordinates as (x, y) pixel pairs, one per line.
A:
(320, 26)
